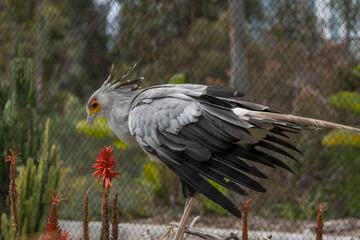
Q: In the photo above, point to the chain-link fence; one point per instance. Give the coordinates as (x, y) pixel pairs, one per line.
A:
(298, 57)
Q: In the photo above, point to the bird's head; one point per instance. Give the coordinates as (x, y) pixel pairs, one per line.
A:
(111, 90)
(96, 106)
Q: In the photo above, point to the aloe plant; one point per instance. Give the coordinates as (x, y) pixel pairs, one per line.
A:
(34, 181)
(20, 128)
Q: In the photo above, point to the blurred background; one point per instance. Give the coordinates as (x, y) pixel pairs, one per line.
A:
(299, 57)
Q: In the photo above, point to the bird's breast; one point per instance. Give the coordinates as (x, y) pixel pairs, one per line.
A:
(119, 126)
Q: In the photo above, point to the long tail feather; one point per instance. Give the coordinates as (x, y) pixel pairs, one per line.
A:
(302, 121)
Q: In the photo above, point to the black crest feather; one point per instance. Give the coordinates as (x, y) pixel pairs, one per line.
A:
(126, 86)
(115, 82)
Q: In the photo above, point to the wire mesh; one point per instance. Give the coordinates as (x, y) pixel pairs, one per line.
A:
(299, 57)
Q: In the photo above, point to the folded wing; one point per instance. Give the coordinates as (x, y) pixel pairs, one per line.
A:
(197, 132)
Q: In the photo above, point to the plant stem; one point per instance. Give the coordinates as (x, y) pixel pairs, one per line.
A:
(86, 217)
(13, 193)
(105, 213)
(319, 222)
(245, 220)
(115, 218)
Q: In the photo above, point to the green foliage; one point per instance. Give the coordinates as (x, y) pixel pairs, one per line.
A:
(151, 178)
(34, 182)
(179, 78)
(343, 171)
(99, 129)
(19, 125)
(177, 41)
(346, 100)
(343, 147)
(6, 228)
(119, 144)
(288, 25)
(340, 138)
(349, 101)
(20, 130)
(356, 71)
(67, 40)
(151, 172)
(19, 122)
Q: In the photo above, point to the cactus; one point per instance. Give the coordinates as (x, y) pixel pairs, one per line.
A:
(34, 182)
(19, 125)
(20, 129)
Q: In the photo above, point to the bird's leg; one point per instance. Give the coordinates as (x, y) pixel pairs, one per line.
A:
(189, 204)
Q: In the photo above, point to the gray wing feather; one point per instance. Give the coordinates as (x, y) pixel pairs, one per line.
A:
(169, 114)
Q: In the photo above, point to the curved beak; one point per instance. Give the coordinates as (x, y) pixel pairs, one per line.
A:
(90, 119)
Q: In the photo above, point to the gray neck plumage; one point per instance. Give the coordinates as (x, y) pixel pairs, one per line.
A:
(118, 114)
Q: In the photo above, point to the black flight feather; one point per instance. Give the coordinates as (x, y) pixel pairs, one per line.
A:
(274, 148)
(271, 158)
(232, 160)
(235, 131)
(254, 106)
(235, 176)
(288, 129)
(206, 123)
(226, 115)
(198, 134)
(218, 102)
(192, 149)
(187, 190)
(245, 154)
(204, 187)
(282, 143)
(223, 92)
(279, 132)
(209, 173)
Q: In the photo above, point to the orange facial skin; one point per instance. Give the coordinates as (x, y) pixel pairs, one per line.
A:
(94, 106)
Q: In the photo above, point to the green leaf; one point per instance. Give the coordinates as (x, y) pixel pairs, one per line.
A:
(177, 79)
(99, 128)
(151, 172)
(346, 100)
(7, 114)
(120, 144)
(356, 71)
(340, 138)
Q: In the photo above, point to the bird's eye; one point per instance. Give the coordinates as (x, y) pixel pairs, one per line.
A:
(94, 105)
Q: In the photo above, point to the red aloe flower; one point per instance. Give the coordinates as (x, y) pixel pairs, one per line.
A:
(53, 230)
(65, 236)
(105, 166)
